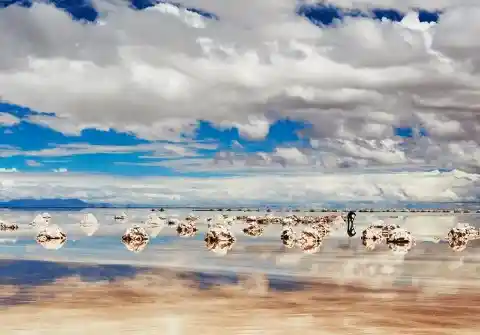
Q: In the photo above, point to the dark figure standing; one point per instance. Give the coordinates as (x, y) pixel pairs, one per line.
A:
(350, 226)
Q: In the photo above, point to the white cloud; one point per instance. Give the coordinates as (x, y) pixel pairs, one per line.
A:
(337, 155)
(305, 188)
(8, 120)
(158, 150)
(154, 73)
(33, 163)
(255, 128)
(8, 170)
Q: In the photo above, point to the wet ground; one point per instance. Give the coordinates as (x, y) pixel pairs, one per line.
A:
(94, 285)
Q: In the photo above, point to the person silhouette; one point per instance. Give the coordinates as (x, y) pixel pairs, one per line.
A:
(350, 226)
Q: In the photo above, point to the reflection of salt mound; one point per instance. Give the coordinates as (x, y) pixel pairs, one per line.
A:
(153, 220)
(40, 221)
(186, 229)
(400, 236)
(372, 233)
(89, 224)
(220, 248)
(153, 231)
(47, 217)
(8, 226)
(371, 243)
(288, 237)
(400, 241)
(135, 239)
(253, 230)
(458, 245)
(400, 249)
(255, 284)
(377, 270)
(219, 239)
(54, 244)
(310, 240)
(52, 237)
(154, 225)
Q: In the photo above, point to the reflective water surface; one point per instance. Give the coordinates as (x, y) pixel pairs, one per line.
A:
(93, 283)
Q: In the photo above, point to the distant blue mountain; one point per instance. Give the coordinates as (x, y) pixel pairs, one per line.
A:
(77, 204)
(50, 203)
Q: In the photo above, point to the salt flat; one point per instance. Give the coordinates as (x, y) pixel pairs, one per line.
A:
(93, 284)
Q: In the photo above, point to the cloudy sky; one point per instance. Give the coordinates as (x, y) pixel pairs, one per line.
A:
(209, 101)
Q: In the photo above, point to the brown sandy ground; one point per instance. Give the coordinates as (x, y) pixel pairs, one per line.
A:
(164, 303)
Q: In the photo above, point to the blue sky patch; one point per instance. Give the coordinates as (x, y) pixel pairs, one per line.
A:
(325, 15)
(281, 133)
(408, 132)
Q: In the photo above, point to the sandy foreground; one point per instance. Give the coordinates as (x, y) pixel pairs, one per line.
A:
(169, 303)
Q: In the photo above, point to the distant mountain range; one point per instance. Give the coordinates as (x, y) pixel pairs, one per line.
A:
(77, 204)
(51, 203)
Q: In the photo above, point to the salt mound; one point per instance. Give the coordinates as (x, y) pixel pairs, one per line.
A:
(89, 224)
(51, 237)
(135, 239)
(219, 239)
(154, 225)
(8, 226)
(186, 229)
(253, 230)
(310, 240)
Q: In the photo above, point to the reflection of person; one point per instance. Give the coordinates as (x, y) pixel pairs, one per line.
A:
(350, 227)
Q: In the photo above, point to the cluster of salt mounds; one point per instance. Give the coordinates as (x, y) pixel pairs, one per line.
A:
(220, 239)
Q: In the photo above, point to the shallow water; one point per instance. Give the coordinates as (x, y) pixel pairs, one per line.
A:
(176, 286)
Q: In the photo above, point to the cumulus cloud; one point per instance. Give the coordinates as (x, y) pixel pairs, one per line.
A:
(153, 70)
(8, 170)
(255, 128)
(334, 155)
(8, 120)
(156, 150)
(305, 188)
(156, 72)
(33, 163)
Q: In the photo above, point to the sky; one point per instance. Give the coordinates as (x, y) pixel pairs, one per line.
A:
(202, 102)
